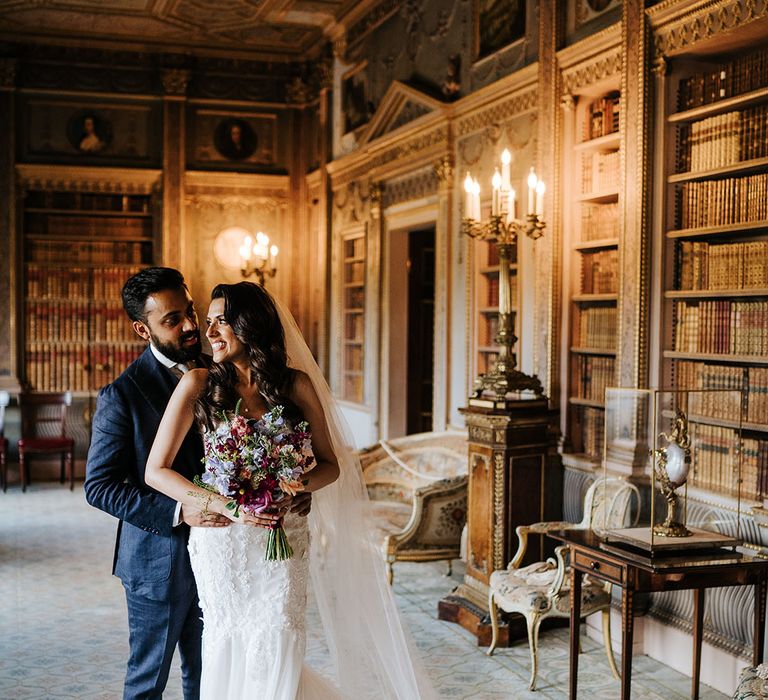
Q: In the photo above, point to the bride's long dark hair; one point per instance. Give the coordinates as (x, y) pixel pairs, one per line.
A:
(252, 314)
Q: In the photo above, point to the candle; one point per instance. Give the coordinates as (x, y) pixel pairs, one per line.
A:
(273, 251)
(532, 180)
(540, 189)
(496, 196)
(506, 159)
(511, 205)
(468, 188)
(476, 199)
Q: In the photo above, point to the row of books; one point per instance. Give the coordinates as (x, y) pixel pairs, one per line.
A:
(738, 265)
(733, 200)
(594, 375)
(92, 283)
(715, 460)
(600, 272)
(725, 404)
(722, 327)
(353, 388)
(597, 327)
(743, 74)
(600, 172)
(489, 329)
(599, 221)
(77, 367)
(354, 247)
(592, 431)
(353, 358)
(88, 226)
(73, 320)
(354, 326)
(603, 116)
(354, 297)
(102, 252)
(87, 201)
(722, 140)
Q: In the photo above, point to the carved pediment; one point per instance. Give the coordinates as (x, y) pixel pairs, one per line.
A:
(400, 105)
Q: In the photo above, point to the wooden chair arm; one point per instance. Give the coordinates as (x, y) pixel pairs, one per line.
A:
(536, 529)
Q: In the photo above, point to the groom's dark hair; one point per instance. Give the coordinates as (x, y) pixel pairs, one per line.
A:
(140, 286)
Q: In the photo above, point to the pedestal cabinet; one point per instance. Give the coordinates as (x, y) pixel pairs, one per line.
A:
(515, 478)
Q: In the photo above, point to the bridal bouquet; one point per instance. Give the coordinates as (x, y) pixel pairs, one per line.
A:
(255, 463)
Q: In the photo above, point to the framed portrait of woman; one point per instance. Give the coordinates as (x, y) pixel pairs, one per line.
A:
(89, 132)
(498, 23)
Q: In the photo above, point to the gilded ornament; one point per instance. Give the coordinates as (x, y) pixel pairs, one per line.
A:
(175, 81)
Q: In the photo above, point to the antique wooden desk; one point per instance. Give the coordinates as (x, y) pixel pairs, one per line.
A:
(635, 572)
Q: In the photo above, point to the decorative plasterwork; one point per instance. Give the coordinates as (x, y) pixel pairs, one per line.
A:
(517, 104)
(680, 25)
(80, 179)
(416, 186)
(175, 81)
(235, 190)
(586, 74)
(400, 105)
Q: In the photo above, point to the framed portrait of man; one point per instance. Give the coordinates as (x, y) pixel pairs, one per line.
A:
(355, 105)
(235, 139)
(498, 23)
(89, 132)
(587, 10)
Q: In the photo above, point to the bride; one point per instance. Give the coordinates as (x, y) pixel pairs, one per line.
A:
(254, 633)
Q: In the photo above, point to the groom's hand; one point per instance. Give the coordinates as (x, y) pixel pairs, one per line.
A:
(194, 517)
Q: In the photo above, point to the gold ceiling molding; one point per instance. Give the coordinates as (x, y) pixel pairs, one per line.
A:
(590, 73)
(238, 202)
(82, 179)
(282, 29)
(680, 25)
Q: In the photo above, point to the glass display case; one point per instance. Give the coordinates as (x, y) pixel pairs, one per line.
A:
(681, 439)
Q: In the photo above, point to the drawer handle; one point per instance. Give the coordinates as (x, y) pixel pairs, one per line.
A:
(594, 565)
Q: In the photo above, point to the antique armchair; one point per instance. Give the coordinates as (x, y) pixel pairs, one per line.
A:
(542, 590)
(5, 399)
(418, 490)
(38, 411)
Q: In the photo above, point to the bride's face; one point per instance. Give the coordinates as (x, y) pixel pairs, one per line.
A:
(226, 346)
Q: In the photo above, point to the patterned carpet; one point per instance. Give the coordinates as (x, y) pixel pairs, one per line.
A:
(63, 630)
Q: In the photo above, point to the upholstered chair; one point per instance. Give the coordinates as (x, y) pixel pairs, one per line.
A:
(542, 590)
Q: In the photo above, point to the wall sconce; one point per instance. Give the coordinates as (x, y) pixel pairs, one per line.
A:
(503, 228)
(235, 248)
(258, 258)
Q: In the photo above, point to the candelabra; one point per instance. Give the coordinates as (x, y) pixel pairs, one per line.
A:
(503, 229)
(258, 258)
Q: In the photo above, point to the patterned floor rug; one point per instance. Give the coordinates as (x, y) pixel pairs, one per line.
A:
(63, 630)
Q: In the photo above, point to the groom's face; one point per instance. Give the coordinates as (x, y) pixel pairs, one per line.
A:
(171, 324)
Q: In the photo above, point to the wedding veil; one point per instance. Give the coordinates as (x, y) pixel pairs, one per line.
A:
(373, 654)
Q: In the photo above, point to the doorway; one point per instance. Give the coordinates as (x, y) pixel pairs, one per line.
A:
(421, 330)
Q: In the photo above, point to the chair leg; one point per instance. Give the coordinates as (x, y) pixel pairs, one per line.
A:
(23, 471)
(450, 568)
(390, 573)
(533, 642)
(608, 645)
(61, 472)
(4, 469)
(70, 461)
(494, 623)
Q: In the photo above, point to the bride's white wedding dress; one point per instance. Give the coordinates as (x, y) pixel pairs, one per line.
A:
(254, 611)
(254, 634)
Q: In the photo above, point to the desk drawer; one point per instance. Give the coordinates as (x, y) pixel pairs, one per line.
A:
(602, 569)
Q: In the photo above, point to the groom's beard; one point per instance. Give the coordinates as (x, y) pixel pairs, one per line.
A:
(179, 353)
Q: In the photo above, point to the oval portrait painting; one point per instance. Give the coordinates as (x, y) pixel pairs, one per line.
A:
(89, 132)
(235, 139)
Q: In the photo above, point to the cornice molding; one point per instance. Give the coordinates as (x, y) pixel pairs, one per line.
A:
(207, 181)
(680, 24)
(591, 47)
(591, 60)
(83, 179)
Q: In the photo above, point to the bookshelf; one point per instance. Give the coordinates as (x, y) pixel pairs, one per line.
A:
(79, 248)
(487, 304)
(715, 254)
(594, 243)
(353, 317)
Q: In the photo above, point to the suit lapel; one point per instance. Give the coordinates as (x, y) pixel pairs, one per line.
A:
(153, 382)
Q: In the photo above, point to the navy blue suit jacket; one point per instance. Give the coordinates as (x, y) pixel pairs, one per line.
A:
(151, 555)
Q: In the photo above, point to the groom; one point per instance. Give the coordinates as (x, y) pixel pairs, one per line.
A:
(151, 557)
